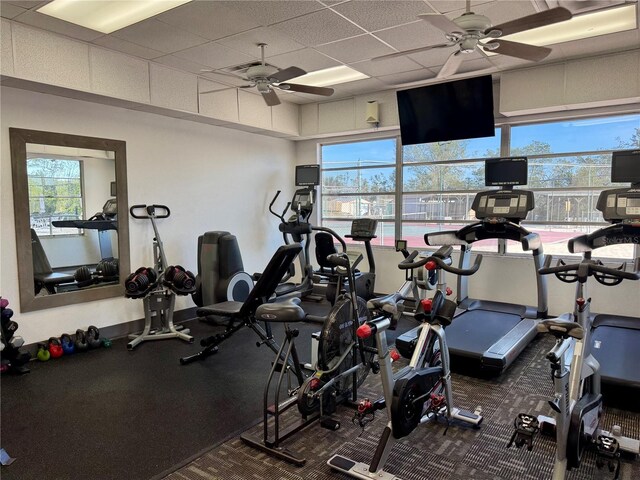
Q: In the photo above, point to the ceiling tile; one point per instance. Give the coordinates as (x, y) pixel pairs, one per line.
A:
(214, 55)
(247, 42)
(604, 43)
(506, 63)
(307, 59)
(505, 10)
(366, 85)
(159, 36)
(56, 25)
(386, 67)
(8, 10)
(129, 48)
(375, 15)
(189, 66)
(445, 6)
(407, 77)
(211, 20)
(319, 27)
(267, 12)
(207, 86)
(364, 47)
(413, 35)
(25, 3)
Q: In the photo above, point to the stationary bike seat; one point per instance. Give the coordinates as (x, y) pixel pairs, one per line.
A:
(388, 304)
(561, 328)
(287, 311)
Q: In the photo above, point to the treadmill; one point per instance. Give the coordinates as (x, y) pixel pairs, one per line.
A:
(616, 338)
(487, 335)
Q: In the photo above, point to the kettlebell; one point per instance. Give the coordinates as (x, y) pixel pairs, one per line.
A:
(43, 352)
(93, 337)
(68, 345)
(81, 340)
(55, 348)
(106, 342)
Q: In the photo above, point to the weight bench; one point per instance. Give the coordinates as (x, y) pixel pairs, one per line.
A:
(241, 314)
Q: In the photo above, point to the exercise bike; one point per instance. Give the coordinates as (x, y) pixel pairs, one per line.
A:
(422, 391)
(344, 361)
(577, 401)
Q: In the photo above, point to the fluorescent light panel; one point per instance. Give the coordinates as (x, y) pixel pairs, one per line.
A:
(107, 16)
(329, 76)
(579, 27)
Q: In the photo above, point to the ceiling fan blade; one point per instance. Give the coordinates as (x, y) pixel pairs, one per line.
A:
(440, 21)
(287, 74)
(413, 50)
(451, 65)
(547, 17)
(271, 98)
(295, 87)
(520, 50)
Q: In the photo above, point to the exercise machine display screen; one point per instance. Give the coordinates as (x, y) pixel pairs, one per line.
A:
(620, 204)
(625, 166)
(510, 204)
(500, 172)
(307, 175)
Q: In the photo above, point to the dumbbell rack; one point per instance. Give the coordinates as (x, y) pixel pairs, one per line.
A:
(159, 302)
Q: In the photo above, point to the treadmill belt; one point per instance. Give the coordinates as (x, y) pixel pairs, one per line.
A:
(474, 331)
(616, 349)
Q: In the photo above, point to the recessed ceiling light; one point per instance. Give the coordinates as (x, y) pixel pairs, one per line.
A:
(107, 16)
(591, 24)
(329, 76)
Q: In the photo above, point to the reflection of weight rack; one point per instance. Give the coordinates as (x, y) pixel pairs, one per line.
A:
(158, 290)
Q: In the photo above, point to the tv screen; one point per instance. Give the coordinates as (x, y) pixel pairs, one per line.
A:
(447, 111)
(625, 166)
(505, 171)
(307, 175)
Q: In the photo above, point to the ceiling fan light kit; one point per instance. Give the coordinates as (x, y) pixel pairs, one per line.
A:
(470, 32)
(267, 78)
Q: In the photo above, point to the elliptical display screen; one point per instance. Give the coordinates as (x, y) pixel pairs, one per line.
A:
(625, 166)
(499, 172)
(307, 175)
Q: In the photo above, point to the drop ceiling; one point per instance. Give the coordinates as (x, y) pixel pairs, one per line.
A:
(315, 34)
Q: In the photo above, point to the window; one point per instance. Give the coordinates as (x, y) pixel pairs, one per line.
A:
(55, 193)
(423, 188)
(359, 180)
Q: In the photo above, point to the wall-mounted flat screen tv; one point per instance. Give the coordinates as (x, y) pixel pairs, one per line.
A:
(447, 111)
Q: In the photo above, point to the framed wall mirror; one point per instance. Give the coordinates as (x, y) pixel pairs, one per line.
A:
(71, 217)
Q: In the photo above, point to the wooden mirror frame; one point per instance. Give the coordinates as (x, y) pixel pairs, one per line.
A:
(19, 138)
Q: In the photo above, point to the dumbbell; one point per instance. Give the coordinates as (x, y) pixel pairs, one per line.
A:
(4, 303)
(108, 269)
(16, 342)
(83, 276)
(140, 282)
(181, 281)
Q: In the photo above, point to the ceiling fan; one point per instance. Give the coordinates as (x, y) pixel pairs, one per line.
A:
(467, 31)
(267, 78)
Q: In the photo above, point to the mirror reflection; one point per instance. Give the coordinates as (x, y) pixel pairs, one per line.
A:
(73, 217)
(70, 205)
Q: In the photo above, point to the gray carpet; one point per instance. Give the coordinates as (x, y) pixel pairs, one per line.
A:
(463, 453)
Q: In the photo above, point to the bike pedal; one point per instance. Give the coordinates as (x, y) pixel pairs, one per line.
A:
(526, 427)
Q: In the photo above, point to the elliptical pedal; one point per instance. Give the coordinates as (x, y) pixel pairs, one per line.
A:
(526, 427)
(608, 451)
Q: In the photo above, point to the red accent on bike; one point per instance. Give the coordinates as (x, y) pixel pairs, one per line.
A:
(364, 405)
(314, 383)
(364, 331)
(430, 265)
(580, 301)
(448, 291)
(427, 303)
(394, 355)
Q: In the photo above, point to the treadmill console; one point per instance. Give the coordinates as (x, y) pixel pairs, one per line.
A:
(620, 205)
(513, 205)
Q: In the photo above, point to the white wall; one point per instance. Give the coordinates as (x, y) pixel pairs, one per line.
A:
(212, 178)
(506, 279)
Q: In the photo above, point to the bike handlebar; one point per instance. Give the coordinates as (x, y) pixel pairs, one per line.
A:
(151, 211)
(570, 273)
(440, 260)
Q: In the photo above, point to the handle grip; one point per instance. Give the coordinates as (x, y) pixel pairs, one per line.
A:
(408, 263)
(150, 211)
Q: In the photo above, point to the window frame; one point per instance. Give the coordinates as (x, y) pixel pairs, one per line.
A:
(504, 125)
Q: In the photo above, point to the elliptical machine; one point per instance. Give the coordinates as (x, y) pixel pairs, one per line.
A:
(422, 391)
(297, 229)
